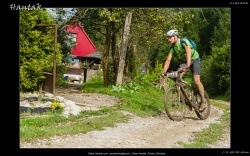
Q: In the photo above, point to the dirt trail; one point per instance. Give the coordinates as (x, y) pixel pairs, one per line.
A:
(153, 132)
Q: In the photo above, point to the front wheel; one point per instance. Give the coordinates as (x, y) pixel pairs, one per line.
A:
(205, 113)
(174, 104)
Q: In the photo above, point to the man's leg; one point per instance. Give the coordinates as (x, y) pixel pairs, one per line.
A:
(195, 67)
(201, 90)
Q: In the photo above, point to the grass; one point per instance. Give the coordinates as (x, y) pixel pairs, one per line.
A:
(57, 125)
(142, 99)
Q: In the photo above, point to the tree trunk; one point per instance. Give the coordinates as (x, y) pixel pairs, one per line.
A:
(115, 54)
(105, 59)
(123, 49)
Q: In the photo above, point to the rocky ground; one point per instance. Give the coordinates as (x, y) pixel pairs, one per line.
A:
(153, 132)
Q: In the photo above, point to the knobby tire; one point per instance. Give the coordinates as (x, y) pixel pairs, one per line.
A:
(204, 114)
(174, 104)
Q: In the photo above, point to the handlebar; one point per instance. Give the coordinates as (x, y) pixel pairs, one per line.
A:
(174, 74)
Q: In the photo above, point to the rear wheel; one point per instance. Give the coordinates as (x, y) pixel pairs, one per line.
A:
(205, 113)
(174, 104)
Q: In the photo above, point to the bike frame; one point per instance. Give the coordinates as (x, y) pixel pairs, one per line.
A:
(188, 95)
(180, 86)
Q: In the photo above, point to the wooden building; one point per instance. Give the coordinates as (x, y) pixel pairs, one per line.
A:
(84, 52)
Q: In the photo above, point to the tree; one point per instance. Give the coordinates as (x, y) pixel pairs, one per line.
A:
(107, 22)
(123, 49)
(208, 20)
(36, 48)
(217, 67)
(63, 20)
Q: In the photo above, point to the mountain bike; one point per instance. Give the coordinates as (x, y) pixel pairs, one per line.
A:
(184, 94)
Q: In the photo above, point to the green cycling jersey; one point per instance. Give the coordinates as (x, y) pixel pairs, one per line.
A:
(181, 53)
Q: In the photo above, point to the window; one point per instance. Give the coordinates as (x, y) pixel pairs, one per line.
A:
(72, 38)
(74, 62)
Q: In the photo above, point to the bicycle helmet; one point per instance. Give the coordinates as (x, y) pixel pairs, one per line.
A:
(172, 32)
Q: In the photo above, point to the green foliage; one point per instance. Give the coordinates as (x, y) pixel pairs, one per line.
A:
(64, 38)
(118, 88)
(50, 99)
(31, 74)
(94, 16)
(95, 83)
(158, 68)
(60, 71)
(138, 96)
(208, 20)
(209, 28)
(61, 82)
(129, 87)
(36, 48)
(216, 67)
(84, 64)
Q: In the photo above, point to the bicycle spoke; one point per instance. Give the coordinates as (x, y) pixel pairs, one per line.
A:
(174, 105)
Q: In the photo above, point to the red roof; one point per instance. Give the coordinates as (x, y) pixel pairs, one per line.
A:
(84, 44)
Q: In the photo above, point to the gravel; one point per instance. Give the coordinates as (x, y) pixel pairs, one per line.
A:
(152, 132)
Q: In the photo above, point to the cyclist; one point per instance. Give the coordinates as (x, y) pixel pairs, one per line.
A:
(192, 61)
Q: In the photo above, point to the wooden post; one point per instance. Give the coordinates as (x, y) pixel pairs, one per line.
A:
(50, 83)
(123, 50)
(54, 63)
(85, 69)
